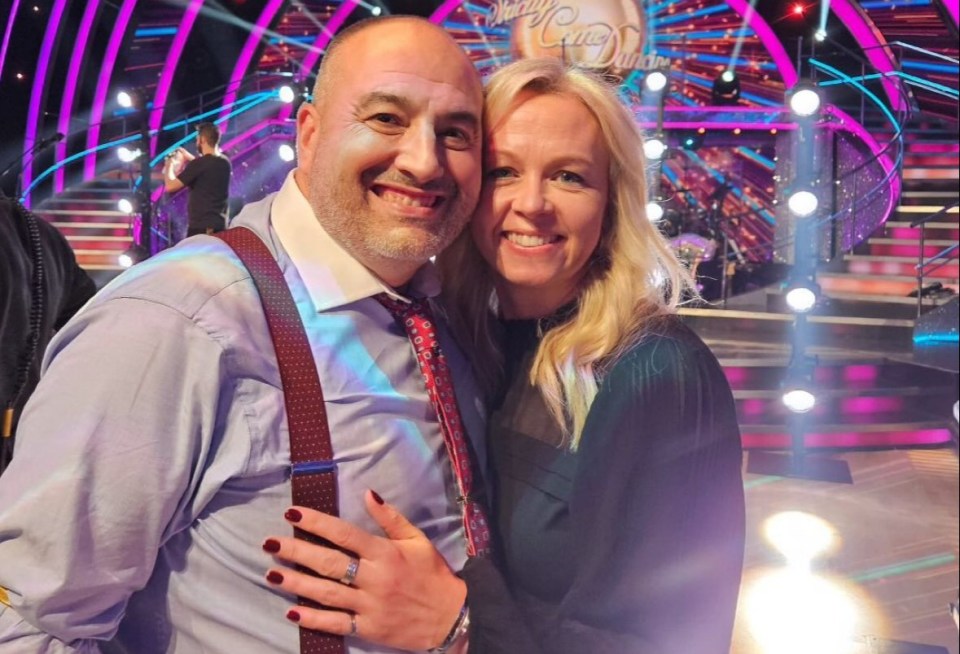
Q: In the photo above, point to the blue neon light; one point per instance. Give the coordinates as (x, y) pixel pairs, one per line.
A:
(155, 31)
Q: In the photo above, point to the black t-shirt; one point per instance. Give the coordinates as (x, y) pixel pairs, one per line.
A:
(208, 177)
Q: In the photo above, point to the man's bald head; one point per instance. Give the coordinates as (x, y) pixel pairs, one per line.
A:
(331, 67)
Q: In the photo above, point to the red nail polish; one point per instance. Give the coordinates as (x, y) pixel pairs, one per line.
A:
(271, 545)
(274, 577)
(293, 515)
(293, 616)
(376, 496)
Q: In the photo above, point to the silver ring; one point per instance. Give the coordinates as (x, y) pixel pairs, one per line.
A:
(353, 625)
(351, 574)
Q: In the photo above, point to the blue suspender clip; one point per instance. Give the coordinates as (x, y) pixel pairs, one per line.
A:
(312, 468)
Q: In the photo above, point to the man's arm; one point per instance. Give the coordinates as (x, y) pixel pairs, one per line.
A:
(110, 447)
(171, 183)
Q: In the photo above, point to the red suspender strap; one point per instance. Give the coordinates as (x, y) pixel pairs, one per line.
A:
(313, 471)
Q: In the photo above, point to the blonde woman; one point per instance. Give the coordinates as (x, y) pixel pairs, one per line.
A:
(614, 450)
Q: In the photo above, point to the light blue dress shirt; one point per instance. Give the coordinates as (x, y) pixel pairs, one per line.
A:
(153, 458)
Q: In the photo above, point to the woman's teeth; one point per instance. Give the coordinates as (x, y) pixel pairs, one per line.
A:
(527, 241)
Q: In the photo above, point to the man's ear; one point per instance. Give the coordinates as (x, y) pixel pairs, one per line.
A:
(308, 135)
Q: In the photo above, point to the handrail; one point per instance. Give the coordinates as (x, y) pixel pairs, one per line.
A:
(930, 53)
(936, 214)
(940, 255)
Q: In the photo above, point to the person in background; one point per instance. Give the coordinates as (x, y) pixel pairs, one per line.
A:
(207, 177)
(154, 456)
(41, 287)
(614, 444)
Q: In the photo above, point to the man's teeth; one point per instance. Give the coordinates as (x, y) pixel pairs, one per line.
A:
(409, 200)
(527, 241)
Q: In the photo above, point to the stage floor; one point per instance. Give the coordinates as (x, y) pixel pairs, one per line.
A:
(885, 584)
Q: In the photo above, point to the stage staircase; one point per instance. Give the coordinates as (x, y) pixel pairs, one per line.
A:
(88, 216)
(871, 390)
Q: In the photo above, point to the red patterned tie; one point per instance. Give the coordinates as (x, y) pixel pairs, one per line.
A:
(419, 325)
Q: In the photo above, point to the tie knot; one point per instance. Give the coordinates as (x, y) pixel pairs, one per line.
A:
(401, 309)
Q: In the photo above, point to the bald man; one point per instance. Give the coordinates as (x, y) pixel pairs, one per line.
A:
(154, 458)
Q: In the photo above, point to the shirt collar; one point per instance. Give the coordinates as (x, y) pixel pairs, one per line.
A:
(331, 275)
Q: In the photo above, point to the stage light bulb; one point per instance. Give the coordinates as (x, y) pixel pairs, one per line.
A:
(805, 102)
(655, 81)
(801, 299)
(286, 95)
(125, 205)
(654, 148)
(125, 260)
(799, 400)
(654, 212)
(802, 203)
(820, 35)
(126, 155)
(286, 152)
(727, 75)
(375, 10)
(124, 99)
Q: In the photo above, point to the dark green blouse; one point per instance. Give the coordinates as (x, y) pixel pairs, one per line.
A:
(634, 543)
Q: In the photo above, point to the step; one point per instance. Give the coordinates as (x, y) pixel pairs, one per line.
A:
(100, 213)
(928, 172)
(866, 264)
(61, 200)
(834, 303)
(856, 333)
(775, 437)
(872, 284)
(931, 230)
(841, 373)
(906, 247)
(942, 197)
(925, 209)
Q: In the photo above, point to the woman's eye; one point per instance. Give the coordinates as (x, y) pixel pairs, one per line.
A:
(499, 173)
(570, 178)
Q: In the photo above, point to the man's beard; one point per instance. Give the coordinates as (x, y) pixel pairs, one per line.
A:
(346, 215)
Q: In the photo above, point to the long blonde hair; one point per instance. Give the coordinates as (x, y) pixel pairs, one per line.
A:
(634, 276)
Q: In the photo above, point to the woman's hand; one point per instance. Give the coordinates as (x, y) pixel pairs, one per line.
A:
(403, 595)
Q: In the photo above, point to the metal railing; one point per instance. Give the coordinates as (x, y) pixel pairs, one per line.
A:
(928, 265)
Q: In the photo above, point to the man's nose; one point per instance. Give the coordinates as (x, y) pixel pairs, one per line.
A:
(418, 156)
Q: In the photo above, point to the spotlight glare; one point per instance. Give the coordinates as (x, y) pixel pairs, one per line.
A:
(805, 102)
(124, 99)
(801, 299)
(654, 211)
(286, 95)
(799, 536)
(791, 612)
(654, 148)
(802, 203)
(126, 155)
(375, 10)
(655, 81)
(125, 260)
(728, 75)
(286, 153)
(125, 205)
(799, 400)
(820, 35)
